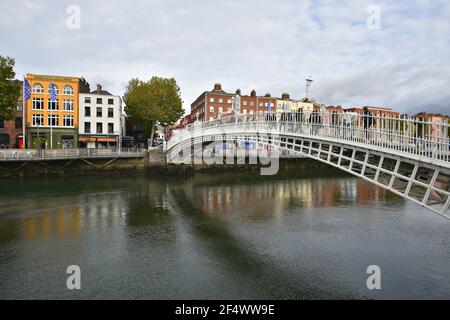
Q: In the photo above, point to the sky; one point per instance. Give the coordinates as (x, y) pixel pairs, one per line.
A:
(379, 53)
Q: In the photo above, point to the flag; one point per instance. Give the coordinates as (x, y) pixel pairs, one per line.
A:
(269, 107)
(26, 89)
(52, 91)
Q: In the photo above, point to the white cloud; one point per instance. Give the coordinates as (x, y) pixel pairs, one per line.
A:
(266, 45)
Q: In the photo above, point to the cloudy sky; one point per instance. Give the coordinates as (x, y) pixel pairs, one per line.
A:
(384, 53)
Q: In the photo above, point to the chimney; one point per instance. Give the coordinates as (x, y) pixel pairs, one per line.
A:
(99, 88)
(238, 92)
(285, 96)
(253, 93)
(217, 87)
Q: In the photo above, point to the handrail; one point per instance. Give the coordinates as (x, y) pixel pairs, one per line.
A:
(34, 155)
(403, 134)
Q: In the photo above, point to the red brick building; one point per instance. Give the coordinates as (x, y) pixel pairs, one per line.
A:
(11, 132)
(375, 111)
(254, 104)
(210, 105)
(335, 109)
(187, 120)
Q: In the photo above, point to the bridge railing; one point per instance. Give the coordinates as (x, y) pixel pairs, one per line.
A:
(405, 134)
(24, 155)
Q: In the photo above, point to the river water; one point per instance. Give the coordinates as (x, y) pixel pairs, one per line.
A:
(304, 234)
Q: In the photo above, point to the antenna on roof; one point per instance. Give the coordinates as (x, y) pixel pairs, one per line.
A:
(309, 82)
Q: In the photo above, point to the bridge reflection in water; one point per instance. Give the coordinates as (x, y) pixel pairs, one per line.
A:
(62, 218)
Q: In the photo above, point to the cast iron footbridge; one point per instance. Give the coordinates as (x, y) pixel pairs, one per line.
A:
(406, 156)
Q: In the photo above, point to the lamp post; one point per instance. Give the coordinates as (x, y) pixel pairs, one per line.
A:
(197, 115)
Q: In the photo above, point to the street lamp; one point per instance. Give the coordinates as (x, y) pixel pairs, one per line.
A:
(309, 82)
(197, 115)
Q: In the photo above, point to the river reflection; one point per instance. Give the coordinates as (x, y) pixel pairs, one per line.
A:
(224, 236)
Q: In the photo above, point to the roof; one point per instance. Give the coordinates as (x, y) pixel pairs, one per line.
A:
(102, 92)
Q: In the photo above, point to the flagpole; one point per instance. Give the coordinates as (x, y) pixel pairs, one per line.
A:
(23, 112)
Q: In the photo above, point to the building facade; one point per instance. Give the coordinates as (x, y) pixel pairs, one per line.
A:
(100, 118)
(11, 131)
(375, 111)
(53, 124)
(254, 104)
(212, 105)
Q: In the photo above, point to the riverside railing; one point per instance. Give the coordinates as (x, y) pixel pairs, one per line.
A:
(36, 155)
(403, 134)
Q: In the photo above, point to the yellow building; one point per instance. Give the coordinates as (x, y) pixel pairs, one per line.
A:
(53, 124)
(286, 104)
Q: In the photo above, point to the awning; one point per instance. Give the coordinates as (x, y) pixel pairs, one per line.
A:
(90, 139)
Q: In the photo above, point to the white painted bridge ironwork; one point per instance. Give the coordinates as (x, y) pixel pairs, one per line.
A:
(409, 157)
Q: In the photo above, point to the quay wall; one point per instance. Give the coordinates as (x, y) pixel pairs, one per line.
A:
(152, 164)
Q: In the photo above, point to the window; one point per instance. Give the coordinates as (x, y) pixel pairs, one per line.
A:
(245, 111)
(110, 128)
(19, 106)
(245, 103)
(220, 110)
(53, 120)
(99, 127)
(99, 112)
(110, 101)
(18, 122)
(56, 89)
(87, 127)
(229, 101)
(261, 104)
(211, 109)
(38, 88)
(68, 91)
(38, 104)
(87, 111)
(68, 121)
(67, 105)
(53, 105)
(2, 123)
(252, 103)
(99, 101)
(38, 120)
(220, 100)
(110, 112)
(211, 99)
(251, 111)
(87, 100)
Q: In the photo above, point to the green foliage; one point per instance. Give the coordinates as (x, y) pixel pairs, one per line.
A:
(157, 100)
(9, 89)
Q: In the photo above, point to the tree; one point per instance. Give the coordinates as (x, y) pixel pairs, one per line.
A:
(157, 100)
(9, 89)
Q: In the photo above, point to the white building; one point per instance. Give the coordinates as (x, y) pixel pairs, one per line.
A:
(100, 123)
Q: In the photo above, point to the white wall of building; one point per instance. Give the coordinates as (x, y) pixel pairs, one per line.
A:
(108, 102)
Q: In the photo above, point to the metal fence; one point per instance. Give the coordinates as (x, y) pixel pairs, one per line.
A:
(30, 155)
(404, 134)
